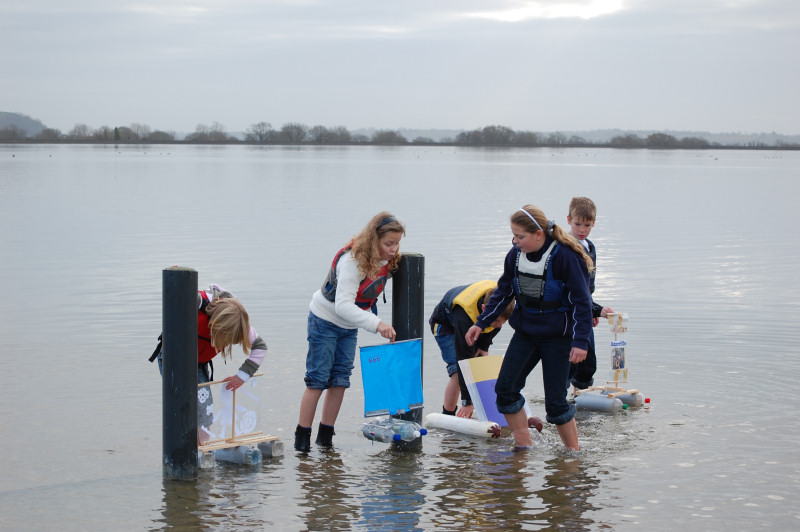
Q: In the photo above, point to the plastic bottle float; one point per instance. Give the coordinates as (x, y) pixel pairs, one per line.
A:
(388, 430)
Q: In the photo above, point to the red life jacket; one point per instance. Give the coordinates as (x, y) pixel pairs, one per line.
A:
(205, 351)
(368, 289)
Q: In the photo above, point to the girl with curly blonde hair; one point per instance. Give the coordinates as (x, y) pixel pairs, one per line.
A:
(345, 302)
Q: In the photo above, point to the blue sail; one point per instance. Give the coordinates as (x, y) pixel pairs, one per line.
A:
(392, 377)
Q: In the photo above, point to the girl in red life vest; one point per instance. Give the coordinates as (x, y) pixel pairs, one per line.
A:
(345, 303)
(226, 322)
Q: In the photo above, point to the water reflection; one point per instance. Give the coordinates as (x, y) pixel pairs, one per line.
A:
(324, 485)
(227, 497)
(484, 491)
(486, 486)
(185, 505)
(566, 494)
(391, 498)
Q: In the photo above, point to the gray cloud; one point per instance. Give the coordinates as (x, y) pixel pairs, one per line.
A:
(712, 65)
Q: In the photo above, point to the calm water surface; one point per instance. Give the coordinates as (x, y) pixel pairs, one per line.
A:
(697, 247)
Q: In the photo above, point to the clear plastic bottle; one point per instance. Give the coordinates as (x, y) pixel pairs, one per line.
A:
(379, 430)
(206, 459)
(242, 454)
(598, 403)
(408, 430)
(391, 429)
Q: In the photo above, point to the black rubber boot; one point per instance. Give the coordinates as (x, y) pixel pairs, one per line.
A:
(449, 412)
(302, 439)
(325, 435)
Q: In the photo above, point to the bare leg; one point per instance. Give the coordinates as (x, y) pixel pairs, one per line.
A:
(451, 393)
(518, 423)
(569, 434)
(332, 404)
(308, 406)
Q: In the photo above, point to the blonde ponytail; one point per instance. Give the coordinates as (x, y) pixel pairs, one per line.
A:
(570, 241)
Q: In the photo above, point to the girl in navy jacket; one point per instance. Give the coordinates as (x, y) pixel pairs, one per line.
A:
(547, 271)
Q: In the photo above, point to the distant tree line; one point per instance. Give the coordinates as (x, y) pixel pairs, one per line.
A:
(294, 133)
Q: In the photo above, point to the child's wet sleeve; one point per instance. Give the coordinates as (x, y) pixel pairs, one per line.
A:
(258, 351)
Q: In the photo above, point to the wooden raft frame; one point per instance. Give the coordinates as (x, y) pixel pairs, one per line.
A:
(251, 438)
(613, 390)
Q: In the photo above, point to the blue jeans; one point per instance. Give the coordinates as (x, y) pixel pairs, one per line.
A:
(205, 401)
(447, 345)
(331, 352)
(523, 353)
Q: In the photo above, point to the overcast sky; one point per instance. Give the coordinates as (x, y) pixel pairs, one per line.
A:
(670, 65)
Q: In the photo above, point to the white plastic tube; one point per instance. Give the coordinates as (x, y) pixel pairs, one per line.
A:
(471, 427)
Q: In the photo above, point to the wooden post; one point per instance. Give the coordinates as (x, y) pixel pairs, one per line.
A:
(408, 318)
(179, 373)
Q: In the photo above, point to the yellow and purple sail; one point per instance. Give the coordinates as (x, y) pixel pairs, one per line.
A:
(480, 375)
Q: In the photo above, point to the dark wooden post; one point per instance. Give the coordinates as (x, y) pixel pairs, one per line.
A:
(179, 373)
(408, 318)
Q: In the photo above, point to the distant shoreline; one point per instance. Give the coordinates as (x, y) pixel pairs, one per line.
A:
(232, 142)
(17, 127)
